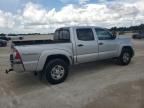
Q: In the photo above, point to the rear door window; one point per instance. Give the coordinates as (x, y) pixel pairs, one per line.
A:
(85, 34)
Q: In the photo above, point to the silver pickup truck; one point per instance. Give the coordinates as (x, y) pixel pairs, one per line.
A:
(70, 46)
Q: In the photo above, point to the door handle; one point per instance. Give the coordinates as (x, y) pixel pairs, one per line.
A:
(101, 43)
(80, 45)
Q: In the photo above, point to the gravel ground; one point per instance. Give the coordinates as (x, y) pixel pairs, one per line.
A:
(98, 84)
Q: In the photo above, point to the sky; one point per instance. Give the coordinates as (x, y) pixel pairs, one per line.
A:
(44, 16)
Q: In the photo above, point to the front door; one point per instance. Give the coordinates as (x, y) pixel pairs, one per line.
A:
(108, 46)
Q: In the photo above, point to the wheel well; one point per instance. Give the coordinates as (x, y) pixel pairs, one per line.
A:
(58, 56)
(128, 48)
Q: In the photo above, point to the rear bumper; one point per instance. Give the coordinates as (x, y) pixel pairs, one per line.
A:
(17, 66)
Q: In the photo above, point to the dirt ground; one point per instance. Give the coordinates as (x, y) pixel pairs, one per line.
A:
(92, 85)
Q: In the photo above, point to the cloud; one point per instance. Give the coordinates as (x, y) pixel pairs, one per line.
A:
(108, 14)
(83, 1)
(35, 17)
(75, 1)
(6, 20)
(33, 13)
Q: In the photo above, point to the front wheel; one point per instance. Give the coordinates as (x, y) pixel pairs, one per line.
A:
(125, 57)
(56, 71)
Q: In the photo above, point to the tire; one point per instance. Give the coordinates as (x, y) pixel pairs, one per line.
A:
(134, 37)
(8, 39)
(125, 57)
(56, 71)
(20, 38)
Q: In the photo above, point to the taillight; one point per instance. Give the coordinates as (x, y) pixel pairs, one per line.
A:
(17, 56)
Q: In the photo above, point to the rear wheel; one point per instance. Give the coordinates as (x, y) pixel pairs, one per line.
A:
(20, 38)
(56, 71)
(125, 57)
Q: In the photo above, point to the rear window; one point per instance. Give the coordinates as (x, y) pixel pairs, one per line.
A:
(62, 35)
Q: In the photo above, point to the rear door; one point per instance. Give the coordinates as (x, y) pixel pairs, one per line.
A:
(107, 45)
(86, 45)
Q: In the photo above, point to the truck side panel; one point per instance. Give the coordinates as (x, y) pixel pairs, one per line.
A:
(46, 54)
(34, 56)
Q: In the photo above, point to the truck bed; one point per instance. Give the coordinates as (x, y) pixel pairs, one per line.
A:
(37, 42)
